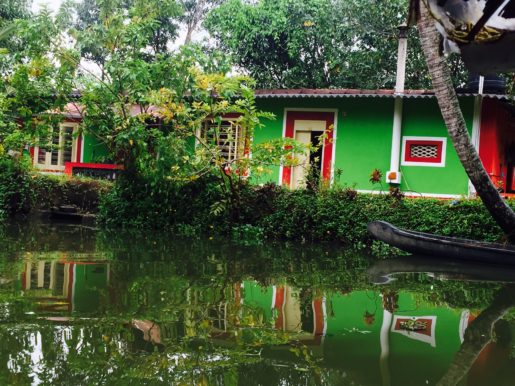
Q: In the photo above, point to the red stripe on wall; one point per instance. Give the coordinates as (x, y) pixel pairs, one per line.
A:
(79, 148)
(280, 293)
(70, 285)
(318, 311)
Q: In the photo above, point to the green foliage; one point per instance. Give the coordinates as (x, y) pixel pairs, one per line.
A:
(319, 43)
(22, 190)
(15, 185)
(157, 19)
(336, 215)
(271, 212)
(52, 191)
(37, 79)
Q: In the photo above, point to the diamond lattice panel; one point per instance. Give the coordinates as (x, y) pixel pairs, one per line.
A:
(424, 151)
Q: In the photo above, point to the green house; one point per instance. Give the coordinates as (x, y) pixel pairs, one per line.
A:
(402, 135)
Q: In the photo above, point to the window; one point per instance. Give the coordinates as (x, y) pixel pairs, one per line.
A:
(229, 138)
(423, 151)
(62, 147)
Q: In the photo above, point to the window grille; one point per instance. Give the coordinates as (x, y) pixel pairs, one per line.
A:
(229, 138)
(61, 148)
(424, 151)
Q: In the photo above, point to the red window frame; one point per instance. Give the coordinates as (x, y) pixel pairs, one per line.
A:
(412, 142)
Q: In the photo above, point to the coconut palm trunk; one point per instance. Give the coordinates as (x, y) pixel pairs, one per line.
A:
(456, 127)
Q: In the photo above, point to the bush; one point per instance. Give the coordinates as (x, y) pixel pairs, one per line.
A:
(195, 207)
(335, 215)
(15, 185)
(84, 193)
(246, 213)
(23, 190)
(273, 212)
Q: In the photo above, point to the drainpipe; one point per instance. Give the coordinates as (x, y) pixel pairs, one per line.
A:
(476, 125)
(394, 175)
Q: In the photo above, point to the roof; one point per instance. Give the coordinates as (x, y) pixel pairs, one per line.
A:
(356, 93)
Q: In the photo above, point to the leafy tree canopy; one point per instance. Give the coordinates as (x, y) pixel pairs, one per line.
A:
(318, 43)
(96, 18)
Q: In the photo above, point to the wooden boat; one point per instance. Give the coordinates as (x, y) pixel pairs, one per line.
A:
(442, 246)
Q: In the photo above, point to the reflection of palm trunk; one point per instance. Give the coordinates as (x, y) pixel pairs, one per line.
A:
(478, 335)
(385, 348)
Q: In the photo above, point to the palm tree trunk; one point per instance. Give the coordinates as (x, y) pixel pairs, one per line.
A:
(456, 127)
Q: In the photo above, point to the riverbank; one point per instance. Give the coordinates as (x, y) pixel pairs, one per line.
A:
(253, 213)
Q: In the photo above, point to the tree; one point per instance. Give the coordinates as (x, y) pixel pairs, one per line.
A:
(317, 43)
(148, 112)
(11, 10)
(194, 12)
(37, 79)
(453, 117)
(162, 24)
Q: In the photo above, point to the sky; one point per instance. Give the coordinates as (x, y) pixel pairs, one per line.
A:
(52, 4)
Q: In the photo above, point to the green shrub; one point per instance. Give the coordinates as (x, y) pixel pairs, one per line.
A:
(199, 205)
(273, 212)
(84, 193)
(15, 185)
(246, 212)
(22, 189)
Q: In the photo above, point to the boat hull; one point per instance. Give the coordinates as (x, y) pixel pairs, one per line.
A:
(441, 246)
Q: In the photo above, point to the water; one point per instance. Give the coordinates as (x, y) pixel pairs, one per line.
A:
(81, 307)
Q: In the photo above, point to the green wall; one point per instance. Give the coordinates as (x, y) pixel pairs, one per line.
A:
(90, 282)
(422, 117)
(363, 141)
(94, 150)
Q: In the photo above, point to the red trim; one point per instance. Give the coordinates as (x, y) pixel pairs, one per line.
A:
(70, 286)
(318, 308)
(416, 142)
(280, 293)
(497, 131)
(68, 166)
(31, 152)
(24, 279)
(512, 183)
(79, 148)
(328, 117)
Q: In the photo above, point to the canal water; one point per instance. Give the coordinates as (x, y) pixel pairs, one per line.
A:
(84, 307)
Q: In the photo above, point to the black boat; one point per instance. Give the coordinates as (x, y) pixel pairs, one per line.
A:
(442, 246)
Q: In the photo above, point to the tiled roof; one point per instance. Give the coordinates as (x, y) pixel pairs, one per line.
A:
(355, 93)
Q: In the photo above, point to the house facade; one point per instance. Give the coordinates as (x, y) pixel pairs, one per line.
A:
(357, 131)
(361, 135)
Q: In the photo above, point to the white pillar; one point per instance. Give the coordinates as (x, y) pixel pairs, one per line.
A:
(476, 125)
(393, 176)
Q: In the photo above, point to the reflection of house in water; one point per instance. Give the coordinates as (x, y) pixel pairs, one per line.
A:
(66, 286)
(376, 338)
(293, 316)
